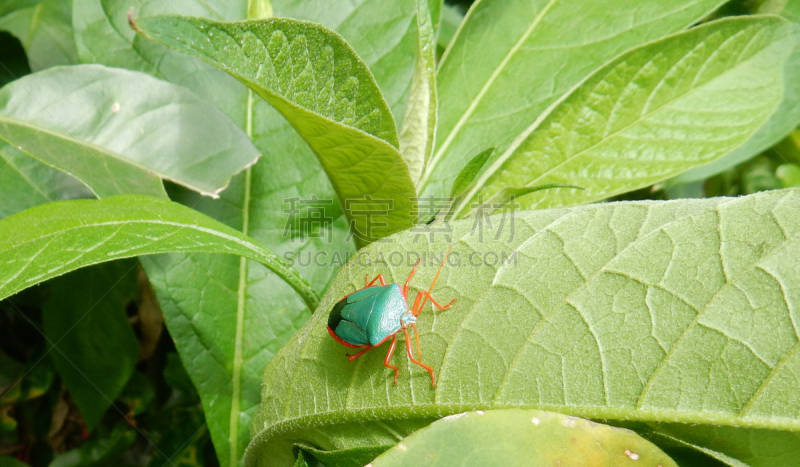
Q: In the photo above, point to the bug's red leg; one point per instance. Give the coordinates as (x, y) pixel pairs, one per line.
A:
(416, 309)
(360, 353)
(410, 275)
(389, 358)
(440, 307)
(418, 303)
(416, 337)
(411, 357)
(378, 277)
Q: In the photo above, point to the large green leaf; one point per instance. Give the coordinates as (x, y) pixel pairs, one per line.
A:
(45, 30)
(93, 346)
(652, 311)
(419, 124)
(511, 60)
(136, 127)
(514, 437)
(313, 77)
(52, 239)
(651, 113)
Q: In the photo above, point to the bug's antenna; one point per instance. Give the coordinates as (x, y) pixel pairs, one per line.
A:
(436, 277)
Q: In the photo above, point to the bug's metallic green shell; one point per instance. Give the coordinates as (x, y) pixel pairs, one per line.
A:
(368, 316)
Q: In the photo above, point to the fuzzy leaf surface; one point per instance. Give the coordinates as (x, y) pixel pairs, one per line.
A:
(679, 311)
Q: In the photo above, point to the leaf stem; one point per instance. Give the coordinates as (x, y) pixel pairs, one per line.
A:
(236, 376)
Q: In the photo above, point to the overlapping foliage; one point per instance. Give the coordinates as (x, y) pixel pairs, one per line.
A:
(647, 314)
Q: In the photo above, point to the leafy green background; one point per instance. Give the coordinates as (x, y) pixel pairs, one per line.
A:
(71, 396)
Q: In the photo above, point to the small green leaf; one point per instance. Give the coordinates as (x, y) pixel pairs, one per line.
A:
(313, 77)
(55, 238)
(510, 194)
(259, 9)
(92, 345)
(649, 114)
(104, 140)
(651, 311)
(470, 172)
(419, 124)
(102, 171)
(522, 437)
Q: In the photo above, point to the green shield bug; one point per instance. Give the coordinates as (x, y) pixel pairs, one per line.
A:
(370, 316)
